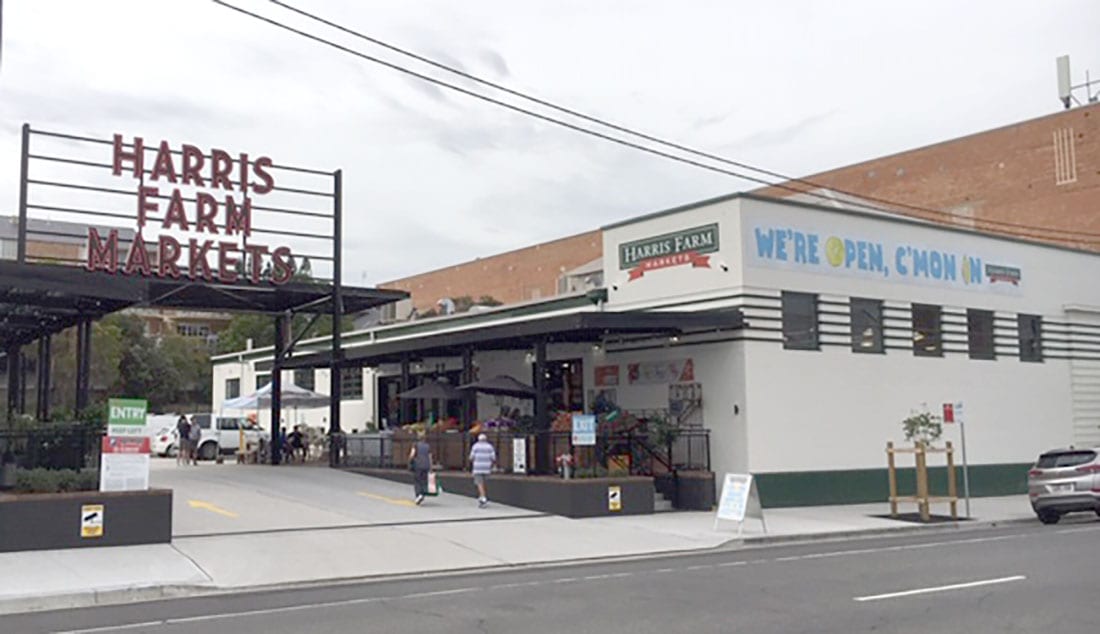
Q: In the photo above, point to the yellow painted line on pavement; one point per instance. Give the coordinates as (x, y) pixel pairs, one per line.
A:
(383, 498)
(206, 506)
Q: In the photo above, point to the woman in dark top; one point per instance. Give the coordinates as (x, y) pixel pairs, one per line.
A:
(420, 460)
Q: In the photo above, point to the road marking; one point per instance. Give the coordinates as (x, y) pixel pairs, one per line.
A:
(1087, 529)
(954, 586)
(213, 508)
(383, 498)
(729, 564)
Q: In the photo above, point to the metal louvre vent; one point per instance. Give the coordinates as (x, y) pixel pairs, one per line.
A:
(1065, 157)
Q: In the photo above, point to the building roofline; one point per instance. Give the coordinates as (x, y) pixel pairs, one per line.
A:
(672, 210)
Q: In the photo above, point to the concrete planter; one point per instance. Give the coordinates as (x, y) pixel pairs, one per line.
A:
(47, 521)
(579, 497)
(697, 492)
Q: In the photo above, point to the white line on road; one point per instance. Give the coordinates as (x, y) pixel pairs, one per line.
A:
(954, 586)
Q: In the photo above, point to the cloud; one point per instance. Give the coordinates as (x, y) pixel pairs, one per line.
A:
(495, 61)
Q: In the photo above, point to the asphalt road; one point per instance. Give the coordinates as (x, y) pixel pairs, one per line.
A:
(1026, 578)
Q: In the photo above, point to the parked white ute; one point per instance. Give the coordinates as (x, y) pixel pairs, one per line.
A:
(225, 436)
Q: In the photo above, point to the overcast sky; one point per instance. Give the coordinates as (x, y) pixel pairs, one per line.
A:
(434, 178)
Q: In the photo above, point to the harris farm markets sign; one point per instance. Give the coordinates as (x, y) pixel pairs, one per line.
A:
(687, 247)
(204, 236)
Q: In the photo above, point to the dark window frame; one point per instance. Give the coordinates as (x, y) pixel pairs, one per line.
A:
(232, 387)
(351, 389)
(927, 322)
(262, 380)
(301, 373)
(866, 314)
(801, 327)
(1029, 330)
(981, 337)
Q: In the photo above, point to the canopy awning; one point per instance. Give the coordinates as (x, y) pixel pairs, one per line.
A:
(291, 396)
(590, 327)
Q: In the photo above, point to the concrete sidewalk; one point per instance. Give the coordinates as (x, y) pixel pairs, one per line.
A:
(447, 536)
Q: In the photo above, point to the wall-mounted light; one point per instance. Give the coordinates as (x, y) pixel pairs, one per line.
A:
(674, 339)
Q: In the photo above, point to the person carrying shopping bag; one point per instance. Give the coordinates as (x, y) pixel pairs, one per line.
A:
(420, 461)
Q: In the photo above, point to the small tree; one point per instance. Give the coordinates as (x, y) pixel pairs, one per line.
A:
(923, 427)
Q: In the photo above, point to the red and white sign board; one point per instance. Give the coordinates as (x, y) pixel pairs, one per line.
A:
(948, 412)
(124, 464)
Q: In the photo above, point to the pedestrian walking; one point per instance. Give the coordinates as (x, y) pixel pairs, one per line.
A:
(482, 458)
(196, 436)
(420, 461)
(183, 441)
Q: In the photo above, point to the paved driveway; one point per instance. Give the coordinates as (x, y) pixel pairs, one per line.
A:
(232, 498)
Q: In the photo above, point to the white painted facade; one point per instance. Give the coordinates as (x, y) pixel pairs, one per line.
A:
(775, 410)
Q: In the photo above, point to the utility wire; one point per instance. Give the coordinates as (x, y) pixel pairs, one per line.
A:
(660, 141)
(623, 142)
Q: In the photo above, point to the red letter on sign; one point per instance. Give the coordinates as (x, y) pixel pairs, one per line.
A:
(198, 260)
(263, 175)
(102, 255)
(164, 166)
(138, 258)
(192, 166)
(222, 166)
(238, 222)
(242, 164)
(207, 212)
(144, 205)
(167, 257)
(255, 260)
(136, 156)
(282, 270)
(175, 213)
(227, 264)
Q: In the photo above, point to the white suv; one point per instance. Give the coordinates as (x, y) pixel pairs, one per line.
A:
(225, 437)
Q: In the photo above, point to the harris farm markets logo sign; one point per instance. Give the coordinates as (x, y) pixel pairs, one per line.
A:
(682, 248)
(204, 236)
(900, 261)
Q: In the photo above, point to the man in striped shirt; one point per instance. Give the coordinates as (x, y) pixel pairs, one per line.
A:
(482, 458)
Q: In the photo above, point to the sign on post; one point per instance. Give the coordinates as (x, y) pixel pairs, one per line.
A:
(124, 458)
(91, 521)
(956, 416)
(739, 500)
(584, 429)
(519, 455)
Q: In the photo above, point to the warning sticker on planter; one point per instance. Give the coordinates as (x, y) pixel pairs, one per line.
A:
(614, 498)
(91, 521)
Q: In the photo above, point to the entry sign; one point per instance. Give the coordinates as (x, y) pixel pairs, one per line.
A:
(584, 429)
(126, 416)
(91, 521)
(519, 455)
(739, 500)
(614, 498)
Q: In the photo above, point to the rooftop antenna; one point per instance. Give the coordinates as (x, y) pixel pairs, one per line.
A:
(1066, 87)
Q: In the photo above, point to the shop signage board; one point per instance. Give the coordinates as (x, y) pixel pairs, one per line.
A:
(740, 500)
(614, 498)
(871, 250)
(124, 459)
(519, 455)
(584, 430)
(661, 372)
(91, 521)
(686, 247)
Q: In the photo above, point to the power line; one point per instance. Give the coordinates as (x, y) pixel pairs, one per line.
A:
(1024, 229)
(655, 139)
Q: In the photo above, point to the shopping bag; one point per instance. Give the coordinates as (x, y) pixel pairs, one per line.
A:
(434, 487)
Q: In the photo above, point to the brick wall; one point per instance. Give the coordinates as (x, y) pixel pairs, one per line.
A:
(515, 276)
(1018, 174)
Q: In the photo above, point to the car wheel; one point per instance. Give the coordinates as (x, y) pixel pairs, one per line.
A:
(171, 451)
(208, 451)
(1049, 517)
(1098, 512)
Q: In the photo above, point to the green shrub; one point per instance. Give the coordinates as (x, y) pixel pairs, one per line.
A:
(55, 480)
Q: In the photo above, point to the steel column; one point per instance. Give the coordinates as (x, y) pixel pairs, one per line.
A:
(336, 371)
(22, 404)
(544, 458)
(13, 380)
(405, 404)
(470, 397)
(24, 162)
(277, 390)
(83, 364)
(42, 394)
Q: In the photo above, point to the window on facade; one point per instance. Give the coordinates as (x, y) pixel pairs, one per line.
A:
(979, 334)
(866, 325)
(1031, 343)
(799, 321)
(351, 384)
(232, 388)
(192, 330)
(303, 377)
(927, 330)
(262, 380)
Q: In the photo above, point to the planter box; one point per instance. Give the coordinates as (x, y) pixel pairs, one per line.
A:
(583, 497)
(697, 492)
(46, 521)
